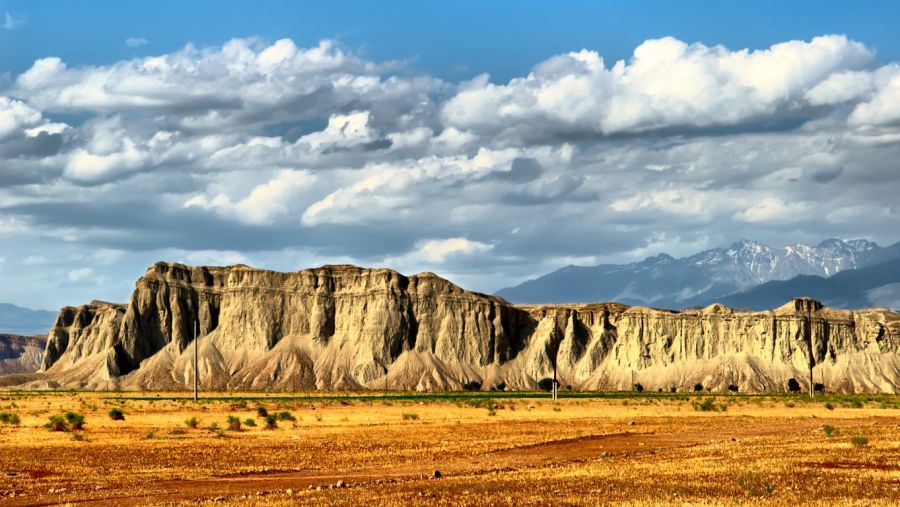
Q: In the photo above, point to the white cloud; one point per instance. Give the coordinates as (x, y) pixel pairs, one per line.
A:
(11, 23)
(775, 210)
(34, 260)
(136, 42)
(265, 203)
(80, 274)
(439, 250)
(667, 83)
(15, 115)
(342, 130)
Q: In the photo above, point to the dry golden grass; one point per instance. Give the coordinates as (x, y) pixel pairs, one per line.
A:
(643, 450)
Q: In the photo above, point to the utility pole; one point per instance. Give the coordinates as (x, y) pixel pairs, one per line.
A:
(196, 369)
(812, 359)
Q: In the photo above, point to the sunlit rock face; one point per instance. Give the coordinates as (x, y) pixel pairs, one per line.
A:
(345, 327)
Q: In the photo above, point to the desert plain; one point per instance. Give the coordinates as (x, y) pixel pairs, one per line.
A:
(449, 449)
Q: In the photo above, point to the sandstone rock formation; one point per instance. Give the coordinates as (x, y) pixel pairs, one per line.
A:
(20, 354)
(344, 327)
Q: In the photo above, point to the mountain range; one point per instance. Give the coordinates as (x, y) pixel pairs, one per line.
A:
(24, 321)
(724, 274)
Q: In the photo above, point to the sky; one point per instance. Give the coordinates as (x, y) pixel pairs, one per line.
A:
(489, 142)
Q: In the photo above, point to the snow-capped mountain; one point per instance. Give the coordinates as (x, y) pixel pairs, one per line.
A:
(665, 281)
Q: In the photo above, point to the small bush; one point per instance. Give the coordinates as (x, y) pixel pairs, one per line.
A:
(7, 418)
(249, 422)
(192, 422)
(213, 426)
(829, 430)
(286, 416)
(491, 412)
(409, 416)
(698, 387)
(150, 435)
(545, 384)
(829, 406)
(271, 422)
(856, 404)
(708, 405)
(262, 412)
(57, 423)
(75, 420)
(116, 414)
(77, 437)
(789, 404)
(859, 440)
(674, 389)
(234, 423)
(472, 385)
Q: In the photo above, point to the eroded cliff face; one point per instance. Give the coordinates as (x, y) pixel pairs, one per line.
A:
(344, 327)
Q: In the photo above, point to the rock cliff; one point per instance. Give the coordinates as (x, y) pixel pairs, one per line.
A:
(20, 354)
(344, 327)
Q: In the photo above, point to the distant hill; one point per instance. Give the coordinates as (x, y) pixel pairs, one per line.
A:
(877, 285)
(20, 354)
(23, 321)
(669, 282)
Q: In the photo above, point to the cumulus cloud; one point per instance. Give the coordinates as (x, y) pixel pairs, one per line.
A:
(80, 274)
(276, 155)
(264, 203)
(667, 83)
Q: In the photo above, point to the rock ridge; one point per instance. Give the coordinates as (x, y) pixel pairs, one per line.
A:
(346, 327)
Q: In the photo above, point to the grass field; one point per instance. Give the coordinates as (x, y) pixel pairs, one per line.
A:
(489, 448)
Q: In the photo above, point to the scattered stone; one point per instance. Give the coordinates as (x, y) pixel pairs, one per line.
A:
(632, 423)
(289, 491)
(340, 484)
(219, 499)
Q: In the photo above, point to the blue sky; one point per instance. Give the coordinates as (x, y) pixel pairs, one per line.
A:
(489, 142)
(452, 40)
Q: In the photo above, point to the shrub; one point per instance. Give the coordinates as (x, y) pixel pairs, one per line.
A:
(271, 422)
(698, 387)
(191, 422)
(856, 404)
(408, 416)
(116, 414)
(545, 384)
(75, 420)
(674, 389)
(213, 426)
(829, 430)
(286, 416)
(262, 412)
(733, 388)
(57, 423)
(639, 388)
(472, 385)
(707, 405)
(859, 440)
(150, 435)
(249, 421)
(234, 423)
(793, 386)
(7, 418)
(829, 406)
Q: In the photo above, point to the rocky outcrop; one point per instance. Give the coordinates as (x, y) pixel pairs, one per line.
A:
(344, 327)
(20, 354)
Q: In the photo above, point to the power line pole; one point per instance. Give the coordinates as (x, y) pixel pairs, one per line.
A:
(812, 360)
(196, 369)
